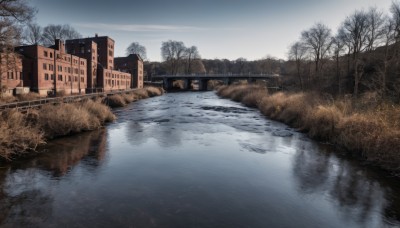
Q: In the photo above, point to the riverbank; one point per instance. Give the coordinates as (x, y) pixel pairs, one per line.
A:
(366, 127)
(21, 133)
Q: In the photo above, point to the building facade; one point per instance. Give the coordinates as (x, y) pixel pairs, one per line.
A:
(132, 64)
(49, 70)
(99, 52)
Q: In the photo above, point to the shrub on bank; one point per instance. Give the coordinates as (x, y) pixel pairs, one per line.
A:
(154, 91)
(99, 110)
(17, 134)
(362, 126)
(115, 101)
(65, 119)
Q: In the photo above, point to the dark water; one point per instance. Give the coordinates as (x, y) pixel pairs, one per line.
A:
(193, 160)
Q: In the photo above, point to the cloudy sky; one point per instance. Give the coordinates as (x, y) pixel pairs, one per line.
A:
(228, 29)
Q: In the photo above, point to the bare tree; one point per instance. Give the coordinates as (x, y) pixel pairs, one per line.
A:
(297, 53)
(376, 22)
(356, 29)
(17, 10)
(32, 34)
(136, 48)
(63, 32)
(395, 10)
(191, 55)
(241, 65)
(389, 37)
(318, 40)
(173, 52)
(13, 13)
(338, 46)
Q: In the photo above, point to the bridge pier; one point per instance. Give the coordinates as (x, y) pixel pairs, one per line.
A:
(203, 84)
(187, 84)
(168, 83)
(227, 81)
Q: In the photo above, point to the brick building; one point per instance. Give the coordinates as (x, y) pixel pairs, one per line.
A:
(10, 73)
(132, 64)
(49, 69)
(99, 52)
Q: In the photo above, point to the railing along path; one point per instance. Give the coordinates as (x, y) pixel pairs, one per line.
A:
(23, 105)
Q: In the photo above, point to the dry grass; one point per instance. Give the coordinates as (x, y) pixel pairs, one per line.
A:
(28, 97)
(129, 97)
(141, 93)
(179, 84)
(116, 100)
(65, 119)
(99, 110)
(8, 99)
(17, 135)
(154, 91)
(365, 126)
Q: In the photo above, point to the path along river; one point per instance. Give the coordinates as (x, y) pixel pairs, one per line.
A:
(194, 160)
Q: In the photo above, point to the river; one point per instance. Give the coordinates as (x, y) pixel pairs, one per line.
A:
(194, 160)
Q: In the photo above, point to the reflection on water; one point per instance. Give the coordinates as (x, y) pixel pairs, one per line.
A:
(194, 160)
(26, 187)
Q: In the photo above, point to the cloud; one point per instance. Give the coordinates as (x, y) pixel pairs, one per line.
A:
(138, 27)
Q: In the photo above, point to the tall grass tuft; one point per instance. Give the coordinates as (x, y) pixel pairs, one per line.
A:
(154, 91)
(18, 135)
(65, 119)
(99, 110)
(115, 101)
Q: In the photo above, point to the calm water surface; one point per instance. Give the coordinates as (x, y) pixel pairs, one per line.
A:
(194, 160)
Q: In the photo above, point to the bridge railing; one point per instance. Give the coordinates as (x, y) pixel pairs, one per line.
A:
(215, 75)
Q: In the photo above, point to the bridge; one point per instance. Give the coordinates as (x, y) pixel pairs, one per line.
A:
(203, 79)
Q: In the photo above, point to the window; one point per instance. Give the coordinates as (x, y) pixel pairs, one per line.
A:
(51, 67)
(76, 71)
(45, 54)
(52, 76)
(82, 72)
(51, 55)
(44, 66)
(110, 52)
(60, 68)
(69, 78)
(76, 78)
(12, 75)
(82, 80)
(60, 77)
(69, 69)
(46, 76)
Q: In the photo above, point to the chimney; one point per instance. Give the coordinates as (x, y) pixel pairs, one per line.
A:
(59, 45)
(96, 35)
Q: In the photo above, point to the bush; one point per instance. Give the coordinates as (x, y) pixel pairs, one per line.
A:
(154, 91)
(115, 100)
(17, 135)
(65, 119)
(99, 110)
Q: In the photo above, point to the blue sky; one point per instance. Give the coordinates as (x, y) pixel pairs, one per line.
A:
(228, 29)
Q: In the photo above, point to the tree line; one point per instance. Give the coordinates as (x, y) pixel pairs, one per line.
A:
(362, 55)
